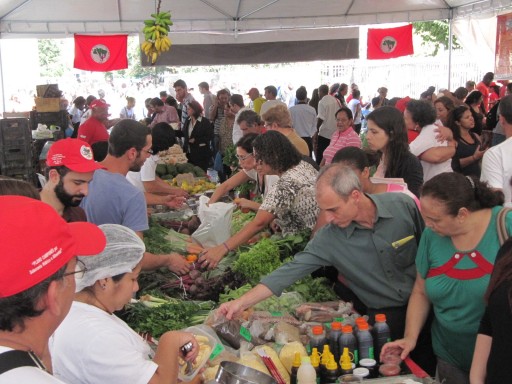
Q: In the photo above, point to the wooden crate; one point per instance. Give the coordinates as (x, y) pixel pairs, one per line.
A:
(47, 104)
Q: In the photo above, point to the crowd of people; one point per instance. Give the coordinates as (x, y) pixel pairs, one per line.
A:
(404, 199)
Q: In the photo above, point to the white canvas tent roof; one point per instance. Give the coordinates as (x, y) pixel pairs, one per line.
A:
(223, 21)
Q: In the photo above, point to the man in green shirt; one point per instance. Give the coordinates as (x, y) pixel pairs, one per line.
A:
(370, 239)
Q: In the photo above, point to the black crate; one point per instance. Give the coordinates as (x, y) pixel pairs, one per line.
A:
(14, 132)
(60, 119)
(20, 172)
(19, 154)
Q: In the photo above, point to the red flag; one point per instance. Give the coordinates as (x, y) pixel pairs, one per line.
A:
(101, 53)
(389, 42)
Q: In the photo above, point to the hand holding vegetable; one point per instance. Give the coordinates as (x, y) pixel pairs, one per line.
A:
(246, 205)
(211, 257)
(175, 202)
(178, 264)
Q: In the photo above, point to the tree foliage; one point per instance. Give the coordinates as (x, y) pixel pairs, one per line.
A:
(49, 53)
(435, 33)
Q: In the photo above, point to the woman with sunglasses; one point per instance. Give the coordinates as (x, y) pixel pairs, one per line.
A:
(290, 203)
(247, 164)
(92, 345)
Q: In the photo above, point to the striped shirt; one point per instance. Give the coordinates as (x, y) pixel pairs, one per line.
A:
(347, 138)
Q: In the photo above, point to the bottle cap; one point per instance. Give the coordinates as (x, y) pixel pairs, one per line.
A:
(296, 360)
(363, 326)
(305, 359)
(346, 329)
(326, 354)
(317, 330)
(331, 364)
(361, 372)
(367, 363)
(360, 320)
(315, 353)
(336, 326)
(380, 317)
(315, 361)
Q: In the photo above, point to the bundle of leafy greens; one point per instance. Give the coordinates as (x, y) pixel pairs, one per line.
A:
(157, 315)
(239, 219)
(260, 260)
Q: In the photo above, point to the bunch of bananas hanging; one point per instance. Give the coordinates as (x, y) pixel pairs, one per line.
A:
(155, 34)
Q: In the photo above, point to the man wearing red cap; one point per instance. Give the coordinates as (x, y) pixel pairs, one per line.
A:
(95, 128)
(70, 169)
(37, 282)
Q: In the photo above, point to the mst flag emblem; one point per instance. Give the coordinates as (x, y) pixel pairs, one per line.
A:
(101, 53)
(390, 42)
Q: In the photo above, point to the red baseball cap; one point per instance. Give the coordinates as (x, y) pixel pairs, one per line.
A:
(402, 103)
(74, 154)
(98, 103)
(37, 242)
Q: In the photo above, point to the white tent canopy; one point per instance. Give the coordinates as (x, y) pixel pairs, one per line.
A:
(224, 21)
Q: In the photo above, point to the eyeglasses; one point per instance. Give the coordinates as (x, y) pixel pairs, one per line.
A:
(148, 151)
(79, 271)
(242, 158)
(268, 124)
(342, 121)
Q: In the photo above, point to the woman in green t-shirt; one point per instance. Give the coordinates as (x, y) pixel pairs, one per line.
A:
(454, 263)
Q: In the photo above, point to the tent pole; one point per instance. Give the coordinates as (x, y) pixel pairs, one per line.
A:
(2, 88)
(450, 48)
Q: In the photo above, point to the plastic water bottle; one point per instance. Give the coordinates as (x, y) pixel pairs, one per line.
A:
(306, 373)
(365, 342)
(333, 339)
(381, 334)
(213, 175)
(348, 340)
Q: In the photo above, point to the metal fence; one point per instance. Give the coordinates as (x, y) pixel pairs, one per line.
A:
(407, 76)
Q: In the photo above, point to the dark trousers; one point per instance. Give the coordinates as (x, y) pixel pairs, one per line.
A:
(309, 142)
(423, 354)
(321, 144)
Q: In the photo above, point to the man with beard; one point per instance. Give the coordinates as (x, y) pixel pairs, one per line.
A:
(70, 169)
(112, 199)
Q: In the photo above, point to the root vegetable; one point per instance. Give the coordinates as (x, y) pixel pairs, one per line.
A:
(194, 274)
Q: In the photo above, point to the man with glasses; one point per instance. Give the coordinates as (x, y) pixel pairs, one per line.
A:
(37, 286)
(112, 199)
(70, 169)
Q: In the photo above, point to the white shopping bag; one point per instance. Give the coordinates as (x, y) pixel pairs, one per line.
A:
(215, 225)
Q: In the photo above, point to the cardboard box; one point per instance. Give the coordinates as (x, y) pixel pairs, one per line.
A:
(47, 104)
(48, 90)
